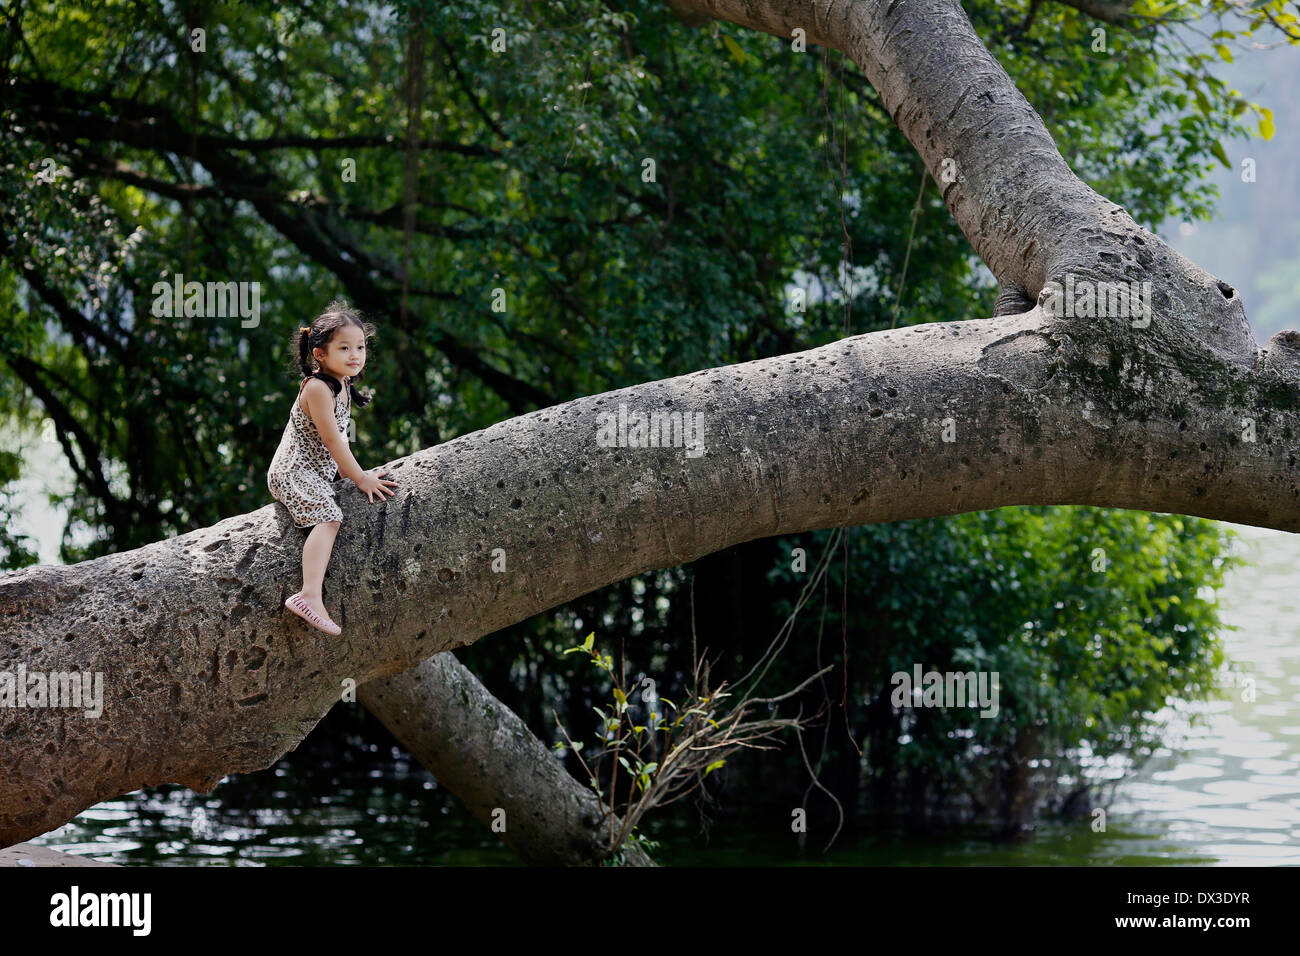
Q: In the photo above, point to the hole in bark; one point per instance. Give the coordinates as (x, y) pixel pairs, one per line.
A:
(892, 392)
(516, 503)
(1226, 289)
(876, 412)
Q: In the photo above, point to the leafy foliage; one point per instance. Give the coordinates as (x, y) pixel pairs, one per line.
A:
(645, 199)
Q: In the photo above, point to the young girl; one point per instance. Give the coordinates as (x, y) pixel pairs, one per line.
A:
(331, 353)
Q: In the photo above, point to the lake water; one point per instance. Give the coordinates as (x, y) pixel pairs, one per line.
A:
(1232, 796)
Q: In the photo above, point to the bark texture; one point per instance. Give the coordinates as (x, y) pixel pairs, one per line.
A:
(482, 752)
(206, 674)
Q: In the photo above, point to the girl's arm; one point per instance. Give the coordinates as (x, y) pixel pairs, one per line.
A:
(320, 405)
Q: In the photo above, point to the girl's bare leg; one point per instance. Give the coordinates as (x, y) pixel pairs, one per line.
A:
(315, 558)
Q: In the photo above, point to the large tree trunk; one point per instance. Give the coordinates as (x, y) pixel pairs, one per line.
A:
(482, 752)
(206, 676)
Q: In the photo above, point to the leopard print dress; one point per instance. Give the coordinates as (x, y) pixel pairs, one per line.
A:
(302, 471)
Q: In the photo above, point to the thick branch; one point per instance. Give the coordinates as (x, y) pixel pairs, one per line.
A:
(1025, 212)
(206, 674)
(482, 752)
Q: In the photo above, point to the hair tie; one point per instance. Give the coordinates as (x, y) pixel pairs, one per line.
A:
(304, 328)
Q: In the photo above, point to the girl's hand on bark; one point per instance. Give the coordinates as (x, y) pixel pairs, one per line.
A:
(373, 485)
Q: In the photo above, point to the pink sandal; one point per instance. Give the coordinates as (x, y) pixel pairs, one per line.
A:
(299, 606)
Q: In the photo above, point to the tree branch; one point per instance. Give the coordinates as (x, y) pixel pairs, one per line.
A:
(69, 115)
(1111, 11)
(1041, 411)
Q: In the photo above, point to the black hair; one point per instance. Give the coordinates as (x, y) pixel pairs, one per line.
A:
(317, 336)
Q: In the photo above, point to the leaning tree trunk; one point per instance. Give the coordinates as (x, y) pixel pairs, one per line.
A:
(481, 751)
(206, 676)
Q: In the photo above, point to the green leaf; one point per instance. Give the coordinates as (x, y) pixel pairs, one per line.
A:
(1217, 149)
(735, 49)
(1223, 52)
(713, 766)
(1266, 128)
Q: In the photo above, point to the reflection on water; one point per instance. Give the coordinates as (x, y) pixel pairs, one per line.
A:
(301, 812)
(1231, 796)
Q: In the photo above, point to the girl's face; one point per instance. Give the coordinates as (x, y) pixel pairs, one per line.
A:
(344, 354)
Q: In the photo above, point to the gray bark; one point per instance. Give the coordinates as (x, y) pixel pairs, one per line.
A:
(206, 676)
(482, 752)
